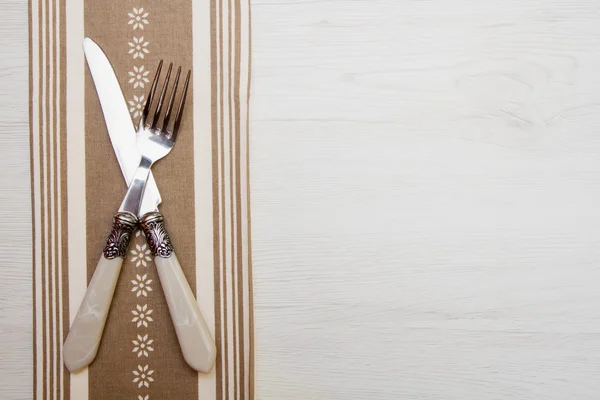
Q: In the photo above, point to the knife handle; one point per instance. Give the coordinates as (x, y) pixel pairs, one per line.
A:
(195, 340)
(81, 345)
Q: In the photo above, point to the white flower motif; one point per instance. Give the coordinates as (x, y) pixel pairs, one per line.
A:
(138, 18)
(138, 232)
(139, 76)
(141, 254)
(136, 105)
(143, 376)
(141, 285)
(146, 397)
(141, 315)
(142, 345)
(138, 47)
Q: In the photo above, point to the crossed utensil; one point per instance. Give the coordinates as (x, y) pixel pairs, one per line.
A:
(136, 153)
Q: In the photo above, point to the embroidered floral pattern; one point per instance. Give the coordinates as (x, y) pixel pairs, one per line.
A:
(139, 76)
(143, 376)
(138, 47)
(136, 105)
(141, 285)
(137, 18)
(141, 315)
(142, 346)
(141, 254)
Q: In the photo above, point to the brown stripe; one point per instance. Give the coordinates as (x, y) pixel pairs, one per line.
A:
(42, 270)
(248, 234)
(238, 203)
(48, 206)
(33, 191)
(57, 196)
(225, 349)
(52, 184)
(215, 199)
(49, 131)
(49, 198)
(232, 155)
(55, 202)
(43, 274)
(42, 199)
(48, 187)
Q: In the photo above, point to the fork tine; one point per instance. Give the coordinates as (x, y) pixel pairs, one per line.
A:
(146, 111)
(161, 98)
(171, 101)
(180, 109)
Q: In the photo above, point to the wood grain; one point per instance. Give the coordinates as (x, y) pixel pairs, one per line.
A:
(425, 178)
(424, 186)
(16, 304)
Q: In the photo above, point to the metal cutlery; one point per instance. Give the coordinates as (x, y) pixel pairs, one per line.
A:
(152, 142)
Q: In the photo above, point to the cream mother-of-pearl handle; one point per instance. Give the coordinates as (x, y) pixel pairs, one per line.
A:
(82, 342)
(195, 339)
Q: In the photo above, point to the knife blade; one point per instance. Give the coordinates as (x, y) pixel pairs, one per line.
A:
(118, 121)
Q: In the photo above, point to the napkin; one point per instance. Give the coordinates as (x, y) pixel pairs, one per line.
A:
(77, 186)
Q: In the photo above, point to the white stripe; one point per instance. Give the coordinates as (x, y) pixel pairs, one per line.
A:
(59, 216)
(51, 132)
(76, 175)
(222, 264)
(234, 239)
(244, 61)
(203, 174)
(35, 120)
(44, 131)
(227, 211)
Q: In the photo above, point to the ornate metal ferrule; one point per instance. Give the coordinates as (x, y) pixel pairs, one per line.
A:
(158, 239)
(123, 225)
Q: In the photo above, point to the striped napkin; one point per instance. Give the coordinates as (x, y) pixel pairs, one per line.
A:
(77, 187)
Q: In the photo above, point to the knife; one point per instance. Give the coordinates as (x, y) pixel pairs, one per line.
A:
(81, 345)
(118, 121)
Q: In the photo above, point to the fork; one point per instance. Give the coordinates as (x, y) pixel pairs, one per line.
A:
(153, 143)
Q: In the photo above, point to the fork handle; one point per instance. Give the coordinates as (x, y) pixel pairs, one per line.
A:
(195, 339)
(81, 345)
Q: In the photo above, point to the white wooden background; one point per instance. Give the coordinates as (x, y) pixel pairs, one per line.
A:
(16, 356)
(425, 187)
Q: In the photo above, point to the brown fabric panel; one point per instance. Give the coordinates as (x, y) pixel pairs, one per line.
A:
(169, 34)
